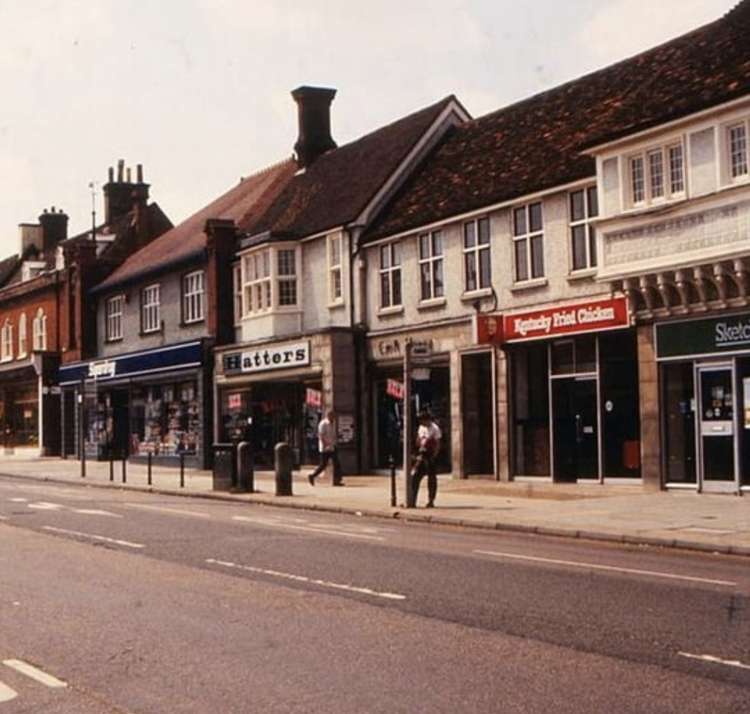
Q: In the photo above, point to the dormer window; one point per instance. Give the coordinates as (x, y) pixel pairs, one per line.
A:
(270, 280)
(656, 175)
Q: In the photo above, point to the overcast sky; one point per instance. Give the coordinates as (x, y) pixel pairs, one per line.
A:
(198, 90)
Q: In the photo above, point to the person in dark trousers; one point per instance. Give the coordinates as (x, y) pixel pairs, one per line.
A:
(327, 449)
(428, 447)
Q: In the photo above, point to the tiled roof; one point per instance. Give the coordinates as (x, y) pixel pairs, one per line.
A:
(337, 187)
(244, 201)
(7, 267)
(536, 144)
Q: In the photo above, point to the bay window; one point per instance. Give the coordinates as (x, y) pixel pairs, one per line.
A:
(657, 174)
(335, 286)
(269, 280)
(738, 150)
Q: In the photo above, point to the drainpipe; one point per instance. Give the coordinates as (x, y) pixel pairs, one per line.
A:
(356, 335)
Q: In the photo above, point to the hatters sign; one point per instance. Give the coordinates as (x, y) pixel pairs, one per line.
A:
(567, 319)
(262, 359)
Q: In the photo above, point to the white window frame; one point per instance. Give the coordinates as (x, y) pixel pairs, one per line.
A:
(431, 265)
(658, 180)
(262, 279)
(743, 153)
(39, 329)
(237, 292)
(476, 252)
(193, 297)
(151, 309)
(113, 309)
(286, 278)
(528, 237)
(23, 339)
(389, 270)
(6, 341)
(585, 222)
(335, 247)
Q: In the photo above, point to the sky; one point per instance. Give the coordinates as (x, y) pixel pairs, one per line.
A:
(198, 91)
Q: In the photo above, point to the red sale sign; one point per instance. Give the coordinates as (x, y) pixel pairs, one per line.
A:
(567, 319)
(395, 389)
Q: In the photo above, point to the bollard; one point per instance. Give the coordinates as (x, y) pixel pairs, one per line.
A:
(124, 467)
(148, 467)
(111, 465)
(283, 458)
(392, 466)
(245, 472)
(182, 469)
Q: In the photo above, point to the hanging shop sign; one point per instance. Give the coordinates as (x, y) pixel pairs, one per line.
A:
(313, 398)
(394, 388)
(488, 329)
(567, 319)
(712, 336)
(263, 359)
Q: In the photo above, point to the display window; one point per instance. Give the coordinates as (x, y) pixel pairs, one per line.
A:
(20, 415)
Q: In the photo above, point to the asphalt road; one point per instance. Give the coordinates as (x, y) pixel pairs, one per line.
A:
(135, 602)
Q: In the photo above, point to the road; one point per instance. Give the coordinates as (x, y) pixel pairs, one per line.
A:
(136, 602)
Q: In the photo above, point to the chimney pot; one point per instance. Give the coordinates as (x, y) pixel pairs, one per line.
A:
(111, 174)
(120, 168)
(314, 118)
(139, 172)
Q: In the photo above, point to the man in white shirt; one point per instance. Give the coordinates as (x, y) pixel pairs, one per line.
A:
(428, 447)
(327, 449)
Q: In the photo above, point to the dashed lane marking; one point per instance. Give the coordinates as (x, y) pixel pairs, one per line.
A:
(6, 693)
(164, 509)
(610, 568)
(95, 512)
(35, 673)
(715, 660)
(93, 536)
(310, 581)
(18, 500)
(308, 529)
(46, 506)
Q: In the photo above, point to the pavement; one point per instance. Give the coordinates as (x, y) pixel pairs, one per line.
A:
(614, 513)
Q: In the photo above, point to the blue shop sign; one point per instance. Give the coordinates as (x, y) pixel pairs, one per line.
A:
(162, 359)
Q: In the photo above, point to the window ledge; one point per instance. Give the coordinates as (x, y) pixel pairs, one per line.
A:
(148, 333)
(529, 284)
(476, 294)
(583, 274)
(6, 359)
(388, 311)
(336, 304)
(107, 340)
(431, 304)
(190, 323)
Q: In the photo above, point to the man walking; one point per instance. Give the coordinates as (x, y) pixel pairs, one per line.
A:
(327, 449)
(428, 446)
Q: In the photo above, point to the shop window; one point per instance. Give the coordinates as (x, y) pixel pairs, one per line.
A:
(335, 286)
(530, 410)
(22, 336)
(743, 385)
(112, 319)
(583, 207)
(528, 242)
(679, 400)
(6, 341)
(193, 294)
(390, 275)
(150, 309)
(431, 265)
(477, 270)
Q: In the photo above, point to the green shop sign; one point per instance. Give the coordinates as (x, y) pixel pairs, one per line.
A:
(715, 336)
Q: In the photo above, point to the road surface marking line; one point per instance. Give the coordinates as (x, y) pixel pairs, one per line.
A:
(6, 693)
(18, 500)
(612, 568)
(3, 518)
(34, 673)
(95, 512)
(305, 579)
(715, 660)
(309, 529)
(163, 509)
(126, 543)
(45, 506)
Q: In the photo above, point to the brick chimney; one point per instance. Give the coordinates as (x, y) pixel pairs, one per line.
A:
(54, 229)
(119, 192)
(314, 118)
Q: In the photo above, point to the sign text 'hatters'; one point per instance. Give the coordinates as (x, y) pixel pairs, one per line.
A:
(265, 358)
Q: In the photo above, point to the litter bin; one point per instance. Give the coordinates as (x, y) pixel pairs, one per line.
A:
(225, 467)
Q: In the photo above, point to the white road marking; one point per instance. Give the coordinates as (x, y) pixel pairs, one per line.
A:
(95, 512)
(163, 509)
(6, 693)
(309, 529)
(45, 506)
(311, 581)
(126, 543)
(34, 673)
(715, 660)
(612, 568)
(18, 500)
(3, 518)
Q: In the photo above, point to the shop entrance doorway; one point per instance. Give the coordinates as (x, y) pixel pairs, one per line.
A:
(478, 424)
(575, 432)
(717, 427)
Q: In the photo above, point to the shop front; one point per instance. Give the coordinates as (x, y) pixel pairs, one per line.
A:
(278, 391)
(573, 392)
(704, 369)
(154, 402)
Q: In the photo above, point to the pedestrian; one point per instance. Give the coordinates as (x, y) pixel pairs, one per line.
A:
(428, 447)
(327, 449)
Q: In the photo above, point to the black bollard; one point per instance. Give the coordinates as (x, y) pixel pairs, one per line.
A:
(283, 462)
(124, 468)
(148, 467)
(182, 469)
(392, 466)
(111, 465)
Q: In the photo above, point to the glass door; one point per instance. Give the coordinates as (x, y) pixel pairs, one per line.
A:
(717, 436)
(575, 429)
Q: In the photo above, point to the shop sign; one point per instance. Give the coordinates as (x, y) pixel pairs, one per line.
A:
(313, 398)
(488, 329)
(394, 388)
(98, 370)
(567, 319)
(267, 358)
(718, 335)
(395, 346)
(234, 401)
(345, 428)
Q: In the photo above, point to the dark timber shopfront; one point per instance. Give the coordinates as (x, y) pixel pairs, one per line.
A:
(573, 392)
(704, 370)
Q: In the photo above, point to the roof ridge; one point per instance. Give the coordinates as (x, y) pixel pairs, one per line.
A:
(266, 169)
